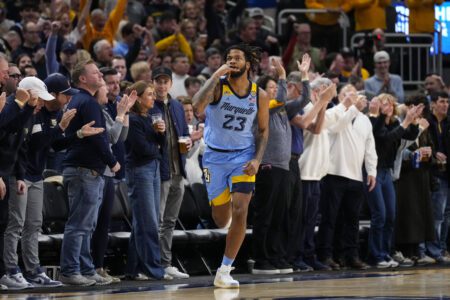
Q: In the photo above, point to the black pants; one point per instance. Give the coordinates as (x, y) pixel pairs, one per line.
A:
(311, 200)
(3, 221)
(269, 218)
(100, 237)
(295, 212)
(340, 205)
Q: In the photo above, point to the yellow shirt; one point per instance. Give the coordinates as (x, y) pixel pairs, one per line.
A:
(327, 18)
(421, 15)
(364, 73)
(370, 14)
(165, 43)
(110, 28)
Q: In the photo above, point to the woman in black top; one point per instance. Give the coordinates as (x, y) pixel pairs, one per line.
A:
(143, 147)
(388, 132)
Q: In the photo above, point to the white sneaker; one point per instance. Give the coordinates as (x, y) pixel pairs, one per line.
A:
(383, 264)
(425, 260)
(15, 282)
(223, 278)
(76, 280)
(104, 273)
(392, 263)
(99, 280)
(140, 277)
(42, 280)
(402, 261)
(175, 273)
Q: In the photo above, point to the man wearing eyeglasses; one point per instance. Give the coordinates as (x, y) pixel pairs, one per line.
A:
(13, 81)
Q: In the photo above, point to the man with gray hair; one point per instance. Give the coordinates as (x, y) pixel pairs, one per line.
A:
(103, 52)
(383, 81)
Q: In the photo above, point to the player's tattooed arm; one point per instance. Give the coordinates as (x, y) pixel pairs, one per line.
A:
(210, 91)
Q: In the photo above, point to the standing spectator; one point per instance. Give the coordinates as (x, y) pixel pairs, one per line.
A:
(299, 44)
(316, 144)
(117, 130)
(172, 165)
(180, 68)
(67, 56)
(352, 145)
(84, 165)
(440, 134)
(99, 26)
(143, 178)
(25, 207)
(383, 81)
(388, 132)
(271, 188)
(33, 47)
(13, 118)
(415, 222)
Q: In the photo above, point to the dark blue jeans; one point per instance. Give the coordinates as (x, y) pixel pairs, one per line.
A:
(144, 195)
(439, 200)
(85, 191)
(382, 203)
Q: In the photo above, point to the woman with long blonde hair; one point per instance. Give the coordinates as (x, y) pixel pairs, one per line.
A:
(388, 132)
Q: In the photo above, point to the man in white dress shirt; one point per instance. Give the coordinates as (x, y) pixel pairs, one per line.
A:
(352, 145)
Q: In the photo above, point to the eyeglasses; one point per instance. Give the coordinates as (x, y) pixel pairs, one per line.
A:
(15, 76)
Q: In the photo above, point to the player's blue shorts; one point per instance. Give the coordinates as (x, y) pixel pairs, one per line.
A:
(224, 174)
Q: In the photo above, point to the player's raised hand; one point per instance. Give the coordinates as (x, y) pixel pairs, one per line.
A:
(224, 70)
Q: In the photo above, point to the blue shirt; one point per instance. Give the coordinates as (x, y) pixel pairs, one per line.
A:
(229, 121)
(297, 140)
(375, 85)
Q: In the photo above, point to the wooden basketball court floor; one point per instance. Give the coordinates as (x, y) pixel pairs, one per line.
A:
(413, 283)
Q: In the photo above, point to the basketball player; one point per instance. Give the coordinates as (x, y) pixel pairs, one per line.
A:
(236, 132)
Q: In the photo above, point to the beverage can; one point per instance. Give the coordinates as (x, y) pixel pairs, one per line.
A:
(416, 160)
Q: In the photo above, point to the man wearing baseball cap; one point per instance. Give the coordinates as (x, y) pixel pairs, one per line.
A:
(172, 165)
(383, 81)
(26, 190)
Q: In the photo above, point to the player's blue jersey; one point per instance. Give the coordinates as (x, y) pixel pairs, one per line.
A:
(229, 121)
